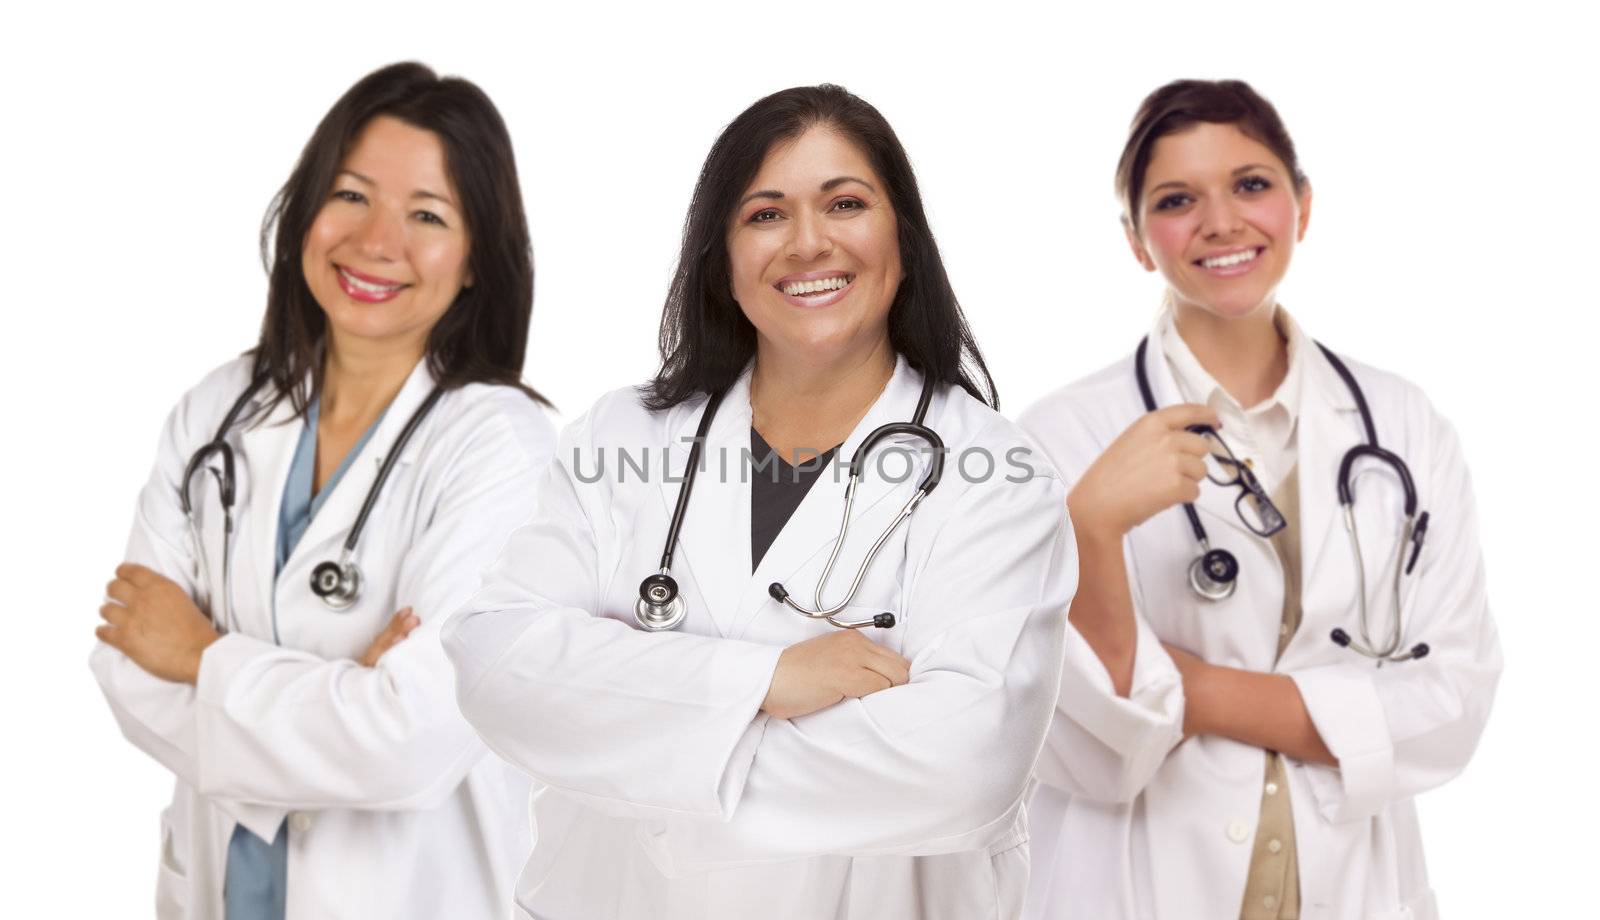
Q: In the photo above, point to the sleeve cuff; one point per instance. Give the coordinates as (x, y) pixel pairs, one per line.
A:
(1344, 705)
(1152, 713)
(223, 659)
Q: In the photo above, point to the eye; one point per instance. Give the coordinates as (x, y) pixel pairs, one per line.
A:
(350, 195)
(764, 216)
(849, 204)
(1253, 184)
(1170, 202)
(428, 217)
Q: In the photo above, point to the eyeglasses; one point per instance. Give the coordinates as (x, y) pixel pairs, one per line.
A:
(1253, 505)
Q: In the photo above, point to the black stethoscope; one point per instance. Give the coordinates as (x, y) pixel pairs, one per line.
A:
(1214, 574)
(337, 584)
(660, 605)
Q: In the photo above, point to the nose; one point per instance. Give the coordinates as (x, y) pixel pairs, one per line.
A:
(380, 236)
(808, 238)
(1220, 218)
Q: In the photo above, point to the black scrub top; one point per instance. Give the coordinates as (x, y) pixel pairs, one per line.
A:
(776, 490)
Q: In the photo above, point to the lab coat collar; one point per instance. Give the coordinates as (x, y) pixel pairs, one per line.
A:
(269, 447)
(714, 545)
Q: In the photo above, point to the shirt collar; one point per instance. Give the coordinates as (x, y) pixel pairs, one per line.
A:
(1195, 384)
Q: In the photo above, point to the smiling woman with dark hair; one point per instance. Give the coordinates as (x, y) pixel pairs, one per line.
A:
(368, 456)
(1272, 650)
(715, 747)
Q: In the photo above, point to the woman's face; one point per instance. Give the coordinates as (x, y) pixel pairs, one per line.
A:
(387, 253)
(814, 251)
(1219, 219)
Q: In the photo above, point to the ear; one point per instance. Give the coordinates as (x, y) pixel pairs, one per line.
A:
(1137, 245)
(1305, 212)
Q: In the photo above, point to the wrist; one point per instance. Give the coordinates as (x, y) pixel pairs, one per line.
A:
(196, 655)
(1092, 527)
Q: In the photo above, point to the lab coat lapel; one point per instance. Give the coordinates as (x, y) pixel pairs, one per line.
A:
(1330, 425)
(714, 543)
(814, 527)
(268, 448)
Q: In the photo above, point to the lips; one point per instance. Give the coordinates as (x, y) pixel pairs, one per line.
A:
(367, 288)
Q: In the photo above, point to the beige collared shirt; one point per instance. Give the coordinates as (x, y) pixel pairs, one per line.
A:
(1262, 435)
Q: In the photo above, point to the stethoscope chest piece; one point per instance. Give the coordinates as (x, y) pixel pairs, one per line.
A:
(1214, 574)
(660, 607)
(337, 584)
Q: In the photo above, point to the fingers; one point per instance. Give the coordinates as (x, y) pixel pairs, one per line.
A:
(108, 635)
(1185, 414)
(1187, 442)
(114, 614)
(1192, 467)
(136, 574)
(120, 590)
(398, 628)
(892, 668)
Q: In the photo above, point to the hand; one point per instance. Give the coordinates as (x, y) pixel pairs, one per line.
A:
(821, 671)
(1154, 464)
(1192, 669)
(400, 625)
(151, 620)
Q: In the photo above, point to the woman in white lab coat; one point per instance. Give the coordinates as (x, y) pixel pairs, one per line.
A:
(1239, 734)
(752, 761)
(294, 684)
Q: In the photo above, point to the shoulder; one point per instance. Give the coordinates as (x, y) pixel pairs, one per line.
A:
(495, 418)
(199, 412)
(1074, 423)
(1400, 407)
(620, 417)
(990, 458)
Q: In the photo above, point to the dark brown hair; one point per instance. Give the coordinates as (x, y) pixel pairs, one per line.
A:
(705, 339)
(483, 336)
(1183, 103)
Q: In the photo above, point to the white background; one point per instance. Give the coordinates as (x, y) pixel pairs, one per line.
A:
(1452, 155)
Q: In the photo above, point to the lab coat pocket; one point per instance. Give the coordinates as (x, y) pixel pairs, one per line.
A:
(172, 882)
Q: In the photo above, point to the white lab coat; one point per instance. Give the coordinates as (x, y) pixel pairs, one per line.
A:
(395, 809)
(1128, 822)
(670, 796)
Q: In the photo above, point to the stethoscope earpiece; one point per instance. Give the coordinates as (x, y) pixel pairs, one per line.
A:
(1214, 574)
(660, 607)
(337, 584)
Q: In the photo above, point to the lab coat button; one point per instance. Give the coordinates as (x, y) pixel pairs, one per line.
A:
(1274, 845)
(1238, 831)
(300, 822)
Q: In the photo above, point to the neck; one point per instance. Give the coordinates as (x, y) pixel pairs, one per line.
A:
(804, 403)
(1246, 355)
(359, 380)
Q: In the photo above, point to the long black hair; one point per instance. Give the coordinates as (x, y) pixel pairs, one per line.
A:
(483, 336)
(705, 339)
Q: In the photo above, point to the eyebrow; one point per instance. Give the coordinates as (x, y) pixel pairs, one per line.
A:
(419, 193)
(828, 186)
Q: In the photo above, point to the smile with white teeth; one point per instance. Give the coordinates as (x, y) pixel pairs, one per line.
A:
(368, 286)
(819, 286)
(1227, 261)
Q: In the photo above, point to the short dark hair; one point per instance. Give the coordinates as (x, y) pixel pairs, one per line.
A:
(1183, 103)
(483, 336)
(706, 340)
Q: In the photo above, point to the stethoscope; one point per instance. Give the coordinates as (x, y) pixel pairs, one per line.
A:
(660, 605)
(337, 584)
(1214, 574)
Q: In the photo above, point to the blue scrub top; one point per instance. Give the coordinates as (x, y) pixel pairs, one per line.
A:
(255, 880)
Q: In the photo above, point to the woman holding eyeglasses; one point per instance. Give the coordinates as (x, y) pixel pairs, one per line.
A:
(1280, 635)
